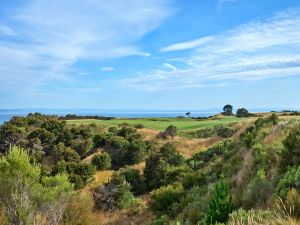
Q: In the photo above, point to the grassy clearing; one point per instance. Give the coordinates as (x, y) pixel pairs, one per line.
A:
(162, 123)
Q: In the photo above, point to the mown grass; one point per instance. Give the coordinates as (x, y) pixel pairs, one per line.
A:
(162, 123)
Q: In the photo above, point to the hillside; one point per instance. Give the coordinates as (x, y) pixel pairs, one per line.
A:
(218, 170)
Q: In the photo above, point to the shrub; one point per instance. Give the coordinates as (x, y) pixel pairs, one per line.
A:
(258, 191)
(169, 153)
(114, 195)
(100, 140)
(135, 179)
(117, 150)
(139, 126)
(289, 180)
(220, 206)
(290, 155)
(171, 131)
(164, 198)
(242, 112)
(102, 161)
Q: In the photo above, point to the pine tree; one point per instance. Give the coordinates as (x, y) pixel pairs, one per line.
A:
(221, 204)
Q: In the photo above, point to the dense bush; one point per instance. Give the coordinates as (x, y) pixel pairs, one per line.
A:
(242, 112)
(135, 179)
(291, 153)
(102, 161)
(159, 164)
(165, 199)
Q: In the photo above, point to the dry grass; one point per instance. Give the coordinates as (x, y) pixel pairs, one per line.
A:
(185, 146)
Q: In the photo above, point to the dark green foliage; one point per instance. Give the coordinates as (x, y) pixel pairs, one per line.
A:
(160, 164)
(165, 199)
(223, 131)
(61, 152)
(139, 126)
(117, 149)
(192, 179)
(100, 140)
(291, 153)
(227, 110)
(135, 179)
(127, 148)
(79, 173)
(81, 146)
(102, 161)
(218, 130)
(136, 151)
(242, 112)
(169, 153)
(10, 135)
(221, 205)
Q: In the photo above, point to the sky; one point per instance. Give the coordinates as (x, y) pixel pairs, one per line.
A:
(149, 54)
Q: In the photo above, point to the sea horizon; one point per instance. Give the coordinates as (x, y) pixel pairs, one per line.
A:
(7, 114)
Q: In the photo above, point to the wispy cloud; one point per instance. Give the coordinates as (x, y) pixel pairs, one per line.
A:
(168, 65)
(52, 37)
(187, 44)
(108, 68)
(4, 30)
(258, 50)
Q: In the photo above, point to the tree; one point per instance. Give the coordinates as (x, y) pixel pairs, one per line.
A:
(242, 112)
(102, 161)
(188, 114)
(19, 182)
(25, 193)
(220, 206)
(227, 110)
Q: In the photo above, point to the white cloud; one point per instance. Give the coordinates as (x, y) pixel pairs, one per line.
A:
(107, 68)
(258, 50)
(56, 34)
(168, 65)
(187, 44)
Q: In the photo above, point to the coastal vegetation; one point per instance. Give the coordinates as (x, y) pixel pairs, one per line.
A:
(220, 170)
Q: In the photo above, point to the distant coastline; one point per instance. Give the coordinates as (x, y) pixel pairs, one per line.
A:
(7, 114)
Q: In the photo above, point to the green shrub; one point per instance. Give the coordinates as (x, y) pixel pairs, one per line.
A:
(139, 126)
(135, 179)
(100, 140)
(102, 161)
(220, 206)
(171, 131)
(291, 179)
(164, 199)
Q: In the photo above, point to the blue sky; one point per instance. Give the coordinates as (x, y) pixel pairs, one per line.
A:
(149, 54)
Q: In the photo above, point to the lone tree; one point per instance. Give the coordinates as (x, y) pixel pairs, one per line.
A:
(227, 110)
(242, 112)
(188, 114)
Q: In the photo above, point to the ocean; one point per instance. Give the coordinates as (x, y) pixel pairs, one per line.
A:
(7, 114)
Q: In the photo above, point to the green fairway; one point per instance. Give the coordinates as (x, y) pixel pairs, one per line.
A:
(162, 123)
